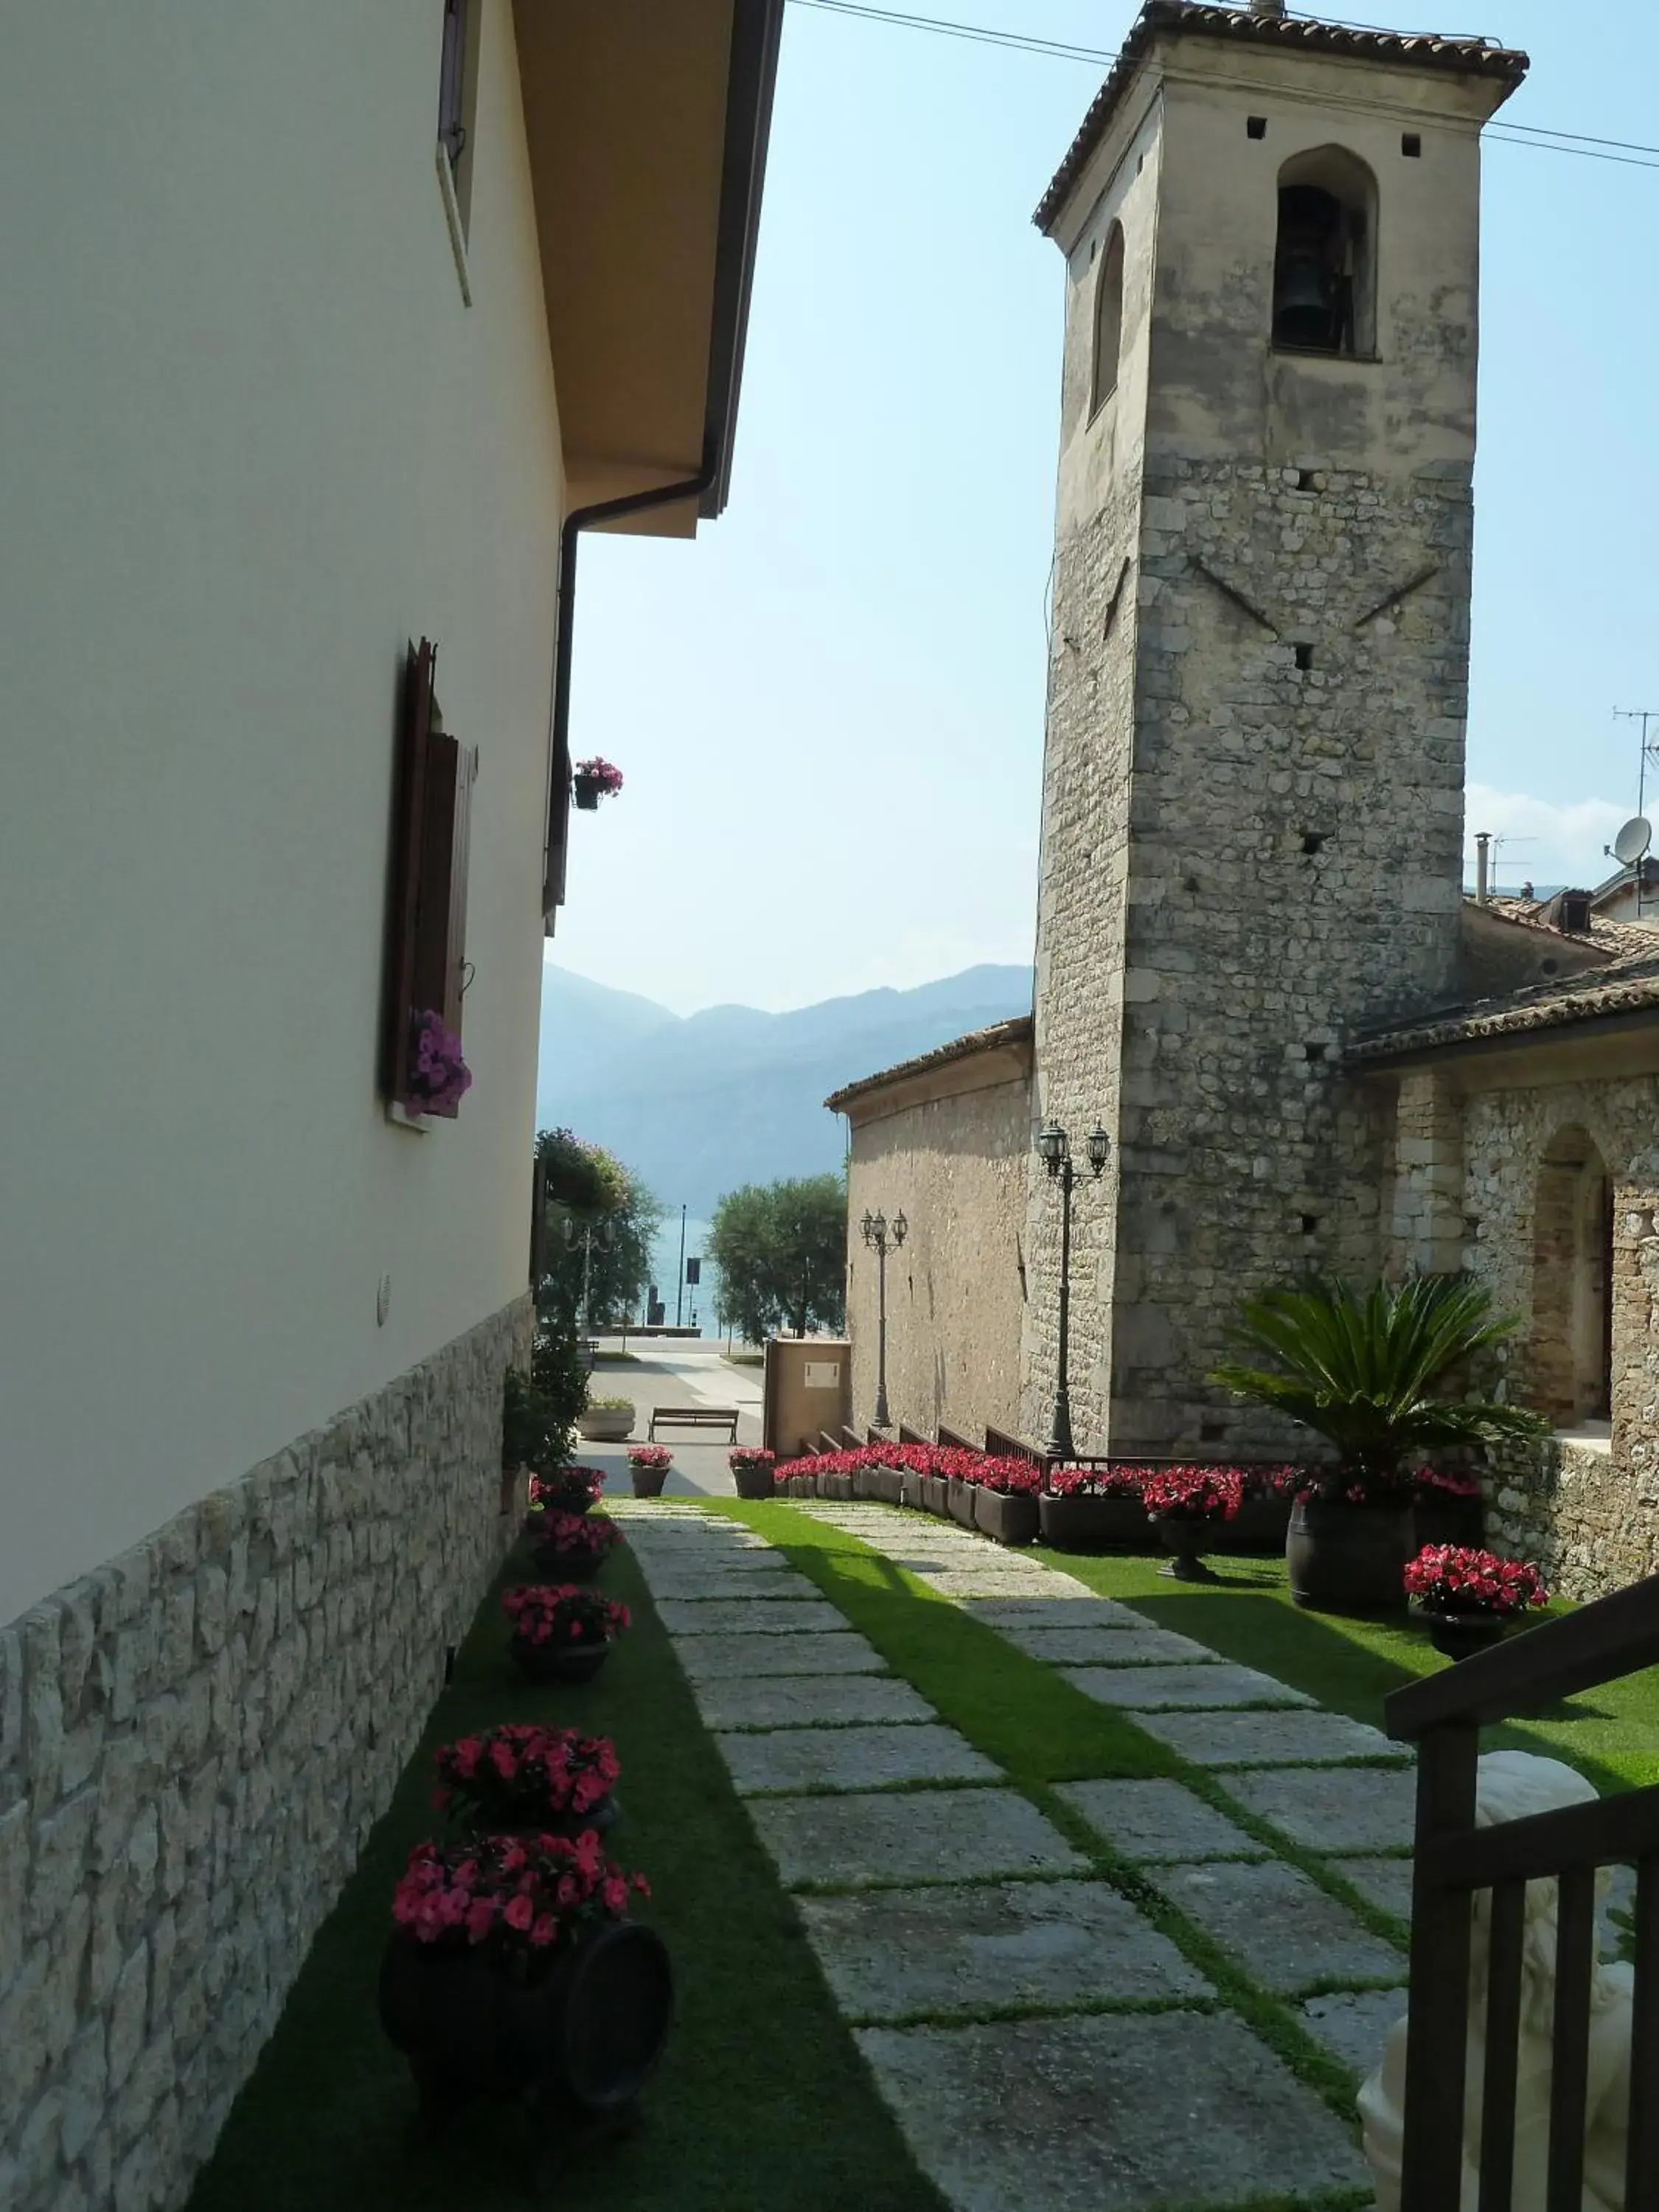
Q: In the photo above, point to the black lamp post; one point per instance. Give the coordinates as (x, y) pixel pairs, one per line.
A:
(1055, 1148)
(876, 1233)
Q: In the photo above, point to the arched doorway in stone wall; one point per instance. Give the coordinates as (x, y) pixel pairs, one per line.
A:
(1570, 1363)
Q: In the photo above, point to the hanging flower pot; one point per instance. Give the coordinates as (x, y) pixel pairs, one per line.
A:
(438, 1076)
(562, 1633)
(513, 1970)
(591, 781)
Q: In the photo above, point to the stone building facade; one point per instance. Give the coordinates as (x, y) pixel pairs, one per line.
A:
(195, 1741)
(944, 1140)
(1257, 967)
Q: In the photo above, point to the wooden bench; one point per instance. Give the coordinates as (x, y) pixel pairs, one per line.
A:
(694, 1417)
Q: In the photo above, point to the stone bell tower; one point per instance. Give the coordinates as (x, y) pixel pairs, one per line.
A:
(1253, 781)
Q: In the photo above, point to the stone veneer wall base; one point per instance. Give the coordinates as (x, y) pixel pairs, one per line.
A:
(195, 1741)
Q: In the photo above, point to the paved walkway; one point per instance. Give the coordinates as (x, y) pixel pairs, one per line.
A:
(680, 1373)
(1044, 2046)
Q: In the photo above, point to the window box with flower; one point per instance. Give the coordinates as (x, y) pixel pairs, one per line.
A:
(1004, 1492)
(1093, 1509)
(560, 1631)
(515, 1969)
(591, 781)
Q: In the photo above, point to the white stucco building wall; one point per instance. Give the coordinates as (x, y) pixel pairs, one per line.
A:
(256, 440)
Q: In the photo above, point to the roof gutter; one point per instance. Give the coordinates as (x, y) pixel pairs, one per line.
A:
(757, 30)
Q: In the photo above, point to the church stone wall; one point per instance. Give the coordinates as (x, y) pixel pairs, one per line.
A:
(195, 1741)
(956, 1166)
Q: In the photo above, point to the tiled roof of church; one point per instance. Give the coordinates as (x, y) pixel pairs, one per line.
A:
(1017, 1031)
(1189, 18)
(1628, 985)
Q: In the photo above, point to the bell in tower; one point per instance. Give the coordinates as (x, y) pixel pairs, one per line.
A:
(1312, 290)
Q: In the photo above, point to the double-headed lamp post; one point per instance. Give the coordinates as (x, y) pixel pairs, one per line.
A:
(876, 1231)
(1054, 1147)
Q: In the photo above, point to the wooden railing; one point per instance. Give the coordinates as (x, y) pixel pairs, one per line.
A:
(908, 1435)
(1443, 1716)
(1001, 1445)
(957, 1442)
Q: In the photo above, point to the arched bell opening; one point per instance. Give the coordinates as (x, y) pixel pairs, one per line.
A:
(1109, 320)
(1325, 258)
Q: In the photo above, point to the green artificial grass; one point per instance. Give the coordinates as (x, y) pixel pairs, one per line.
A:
(1611, 1734)
(762, 2099)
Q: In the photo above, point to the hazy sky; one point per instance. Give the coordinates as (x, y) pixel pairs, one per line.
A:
(829, 709)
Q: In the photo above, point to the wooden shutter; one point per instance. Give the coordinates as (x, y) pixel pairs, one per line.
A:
(467, 774)
(403, 899)
(432, 987)
(558, 827)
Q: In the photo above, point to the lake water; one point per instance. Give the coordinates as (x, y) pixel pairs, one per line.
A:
(697, 1302)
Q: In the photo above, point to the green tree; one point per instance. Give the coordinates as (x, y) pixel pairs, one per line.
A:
(1373, 1373)
(782, 1251)
(600, 1220)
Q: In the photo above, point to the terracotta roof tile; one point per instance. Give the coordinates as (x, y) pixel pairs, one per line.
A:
(1019, 1030)
(1191, 19)
(1628, 985)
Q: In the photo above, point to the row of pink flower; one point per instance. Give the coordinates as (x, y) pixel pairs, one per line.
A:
(562, 1613)
(569, 1489)
(547, 1772)
(574, 1535)
(946, 1461)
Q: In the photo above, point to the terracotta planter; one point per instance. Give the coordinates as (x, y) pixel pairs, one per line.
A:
(936, 1494)
(1442, 1517)
(1461, 1635)
(606, 1424)
(1093, 1525)
(647, 1481)
(1011, 1519)
(959, 1499)
(559, 1662)
(586, 2032)
(758, 1482)
(1349, 1559)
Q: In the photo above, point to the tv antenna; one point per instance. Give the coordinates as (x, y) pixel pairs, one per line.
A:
(1629, 847)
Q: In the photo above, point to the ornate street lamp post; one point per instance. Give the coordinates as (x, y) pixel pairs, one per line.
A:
(876, 1234)
(1054, 1147)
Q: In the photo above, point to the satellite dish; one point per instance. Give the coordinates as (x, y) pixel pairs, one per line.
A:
(1633, 840)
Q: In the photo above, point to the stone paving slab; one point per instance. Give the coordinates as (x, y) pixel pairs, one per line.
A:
(1280, 1925)
(1055, 1943)
(1385, 1882)
(851, 1757)
(747, 1616)
(1148, 1689)
(1276, 1739)
(1111, 1647)
(990, 1581)
(1077, 1607)
(1155, 1822)
(699, 1582)
(1334, 1808)
(1353, 2024)
(1109, 2113)
(930, 1835)
(717, 1658)
(800, 1701)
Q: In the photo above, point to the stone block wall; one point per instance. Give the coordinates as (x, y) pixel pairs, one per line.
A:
(195, 1741)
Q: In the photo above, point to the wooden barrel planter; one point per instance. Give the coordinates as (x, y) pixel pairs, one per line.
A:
(559, 1662)
(1349, 1559)
(1093, 1525)
(1011, 1518)
(583, 2035)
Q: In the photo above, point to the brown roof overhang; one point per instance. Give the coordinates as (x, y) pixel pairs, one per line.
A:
(1467, 56)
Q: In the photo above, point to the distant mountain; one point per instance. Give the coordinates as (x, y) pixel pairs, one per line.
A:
(699, 1105)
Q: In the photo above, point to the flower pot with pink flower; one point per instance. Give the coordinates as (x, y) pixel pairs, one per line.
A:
(647, 1468)
(522, 1778)
(572, 1545)
(591, 781)
(1183, 1503)
(1005, 1500)
(514, 1970)
(752, 1471)
(562, 1632)
(568, 1489)
(1467, 1599)
(438, 1077)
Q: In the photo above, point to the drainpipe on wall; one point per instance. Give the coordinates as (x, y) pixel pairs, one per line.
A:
(1482, 866)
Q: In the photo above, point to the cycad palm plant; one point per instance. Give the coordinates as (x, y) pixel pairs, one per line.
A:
(1365, 1372)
